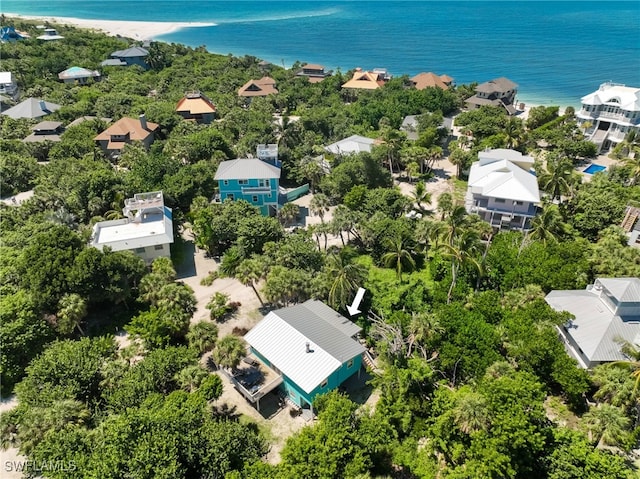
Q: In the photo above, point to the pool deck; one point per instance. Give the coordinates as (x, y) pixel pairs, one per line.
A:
(601, 160)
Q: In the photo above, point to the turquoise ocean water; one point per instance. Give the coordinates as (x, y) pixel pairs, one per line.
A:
(556, 51)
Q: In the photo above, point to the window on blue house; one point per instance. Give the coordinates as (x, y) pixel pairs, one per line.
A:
(324, 383)
(230, 197)
(263, 183)
(254, 198)
(226, 182)
(350, 363)
(243, 182)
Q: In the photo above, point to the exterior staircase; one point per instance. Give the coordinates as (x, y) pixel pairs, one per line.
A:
(630, 218)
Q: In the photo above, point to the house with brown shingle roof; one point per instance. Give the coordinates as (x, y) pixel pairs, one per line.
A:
(363, 80)
(430, 79)
(498, 92)
(124, 131)
(313, 72)
(197, 107)
(265, 86)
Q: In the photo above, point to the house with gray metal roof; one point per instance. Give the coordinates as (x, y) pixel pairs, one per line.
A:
(498, 92)
(311, 346)
(31, 108)
(351, 145)
(252, 180)
(131, 56)
(606, 314)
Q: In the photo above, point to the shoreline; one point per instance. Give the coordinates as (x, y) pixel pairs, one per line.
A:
(136, 30)
(146, 30)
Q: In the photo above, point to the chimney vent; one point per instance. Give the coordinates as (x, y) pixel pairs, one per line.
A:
(307, 348)
(143, 121)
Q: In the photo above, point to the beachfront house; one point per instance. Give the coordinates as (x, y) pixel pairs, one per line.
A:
(367, 80)
(313, 72)
(503, 190)
(50, 34)
(263, 87)
(31, 108)
(124, 131)
(131, 56)
(351, 145)
(79, 75)
(146, 229)
(498, 92)
(608, 114)
(251, 180)
(310, 346)
(8, 85)
(45, 131)
(431, 80)
(605, 314)
(197, 107)
(10, 34)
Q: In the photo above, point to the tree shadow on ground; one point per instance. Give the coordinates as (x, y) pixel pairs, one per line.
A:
(183, 255)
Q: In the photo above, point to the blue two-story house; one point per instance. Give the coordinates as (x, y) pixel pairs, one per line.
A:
(311, 346)
(251, 180)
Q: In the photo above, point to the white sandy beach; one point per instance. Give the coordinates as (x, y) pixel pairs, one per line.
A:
(128, 29)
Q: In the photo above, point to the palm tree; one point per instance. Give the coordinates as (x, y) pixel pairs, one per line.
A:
(250, 272)
(445, 205)
(633, 163)
(412, 171)
(433, 154)
(229, 352)
(345, 276)
(288, 213)
(310, 169)
(471, 413)
(455, 221)
(72, 309)
(394, 140)
(398, 256)
(319, 205)
(547, 225)
(423, 327)
(190, 377)
(608, 423)
(421, 195)
(633, 363)
(202, 336)
(558, 179)
(462, 251)
(513, 132)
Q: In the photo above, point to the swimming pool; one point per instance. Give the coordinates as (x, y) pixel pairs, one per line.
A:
(593, 169)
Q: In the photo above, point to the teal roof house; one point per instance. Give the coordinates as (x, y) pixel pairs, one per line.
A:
(311, 346)
(251, 180)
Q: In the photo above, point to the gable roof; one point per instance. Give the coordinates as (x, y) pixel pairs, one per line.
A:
(132, 52)
(196, 104)
(281, 337)
(365, 80)
(352, 144)
(263, 87)
(501, 84)
(31, 108)
(246, 168)
(503, 179)
(627, 98)
(430, 79)
(127, 125)
(77, 72)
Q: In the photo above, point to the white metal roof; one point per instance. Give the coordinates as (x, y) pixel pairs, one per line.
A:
(352, 144)
(503, 179)
(596, 329)
(627, 98)
(624, 289)
(151, 229)
(281, 337)
(245, 169)
(6, 78)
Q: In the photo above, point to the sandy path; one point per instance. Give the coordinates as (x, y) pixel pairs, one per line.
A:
(10, 458)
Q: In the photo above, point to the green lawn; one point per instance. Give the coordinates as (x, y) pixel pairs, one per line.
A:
(459, 190)
(388, 275)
